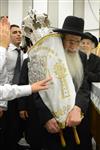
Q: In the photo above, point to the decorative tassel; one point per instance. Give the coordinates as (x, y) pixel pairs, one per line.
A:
(62, 139)
(76, 135)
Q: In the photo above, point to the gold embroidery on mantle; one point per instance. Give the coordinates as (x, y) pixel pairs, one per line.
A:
(61, 75)
(38, 43)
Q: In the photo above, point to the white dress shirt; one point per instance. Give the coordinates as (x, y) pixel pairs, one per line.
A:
(2, 58)
(11, 58)
(3, 68)
(9, 92)
(3, 73)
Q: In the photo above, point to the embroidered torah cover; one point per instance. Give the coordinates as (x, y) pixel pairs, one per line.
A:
(47, 58)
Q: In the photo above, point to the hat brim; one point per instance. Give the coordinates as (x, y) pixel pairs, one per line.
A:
(68, 31)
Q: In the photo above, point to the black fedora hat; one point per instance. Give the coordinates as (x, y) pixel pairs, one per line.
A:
(72, 25)
(88, 35)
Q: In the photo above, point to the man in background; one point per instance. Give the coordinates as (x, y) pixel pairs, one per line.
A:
(14, 63)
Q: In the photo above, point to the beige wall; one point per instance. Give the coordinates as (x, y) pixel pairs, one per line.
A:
(57, 11)
(78, 8)
(3, 7)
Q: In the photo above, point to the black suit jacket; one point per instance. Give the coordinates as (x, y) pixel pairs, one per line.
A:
(91, 74)
(93, 68)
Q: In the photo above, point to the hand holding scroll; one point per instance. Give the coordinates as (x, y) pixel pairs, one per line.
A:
(74, 117)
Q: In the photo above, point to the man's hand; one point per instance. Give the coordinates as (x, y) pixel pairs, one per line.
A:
(52, 126)
(1, 112)
(4, 32)
(40, 85)
(74, 117)
(23, 114)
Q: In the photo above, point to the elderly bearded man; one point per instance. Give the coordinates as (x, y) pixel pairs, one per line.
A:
(72, 32)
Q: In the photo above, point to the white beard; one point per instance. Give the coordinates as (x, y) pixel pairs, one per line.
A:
(75, 67)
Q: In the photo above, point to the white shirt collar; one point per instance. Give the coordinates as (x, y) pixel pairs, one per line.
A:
(12, 47)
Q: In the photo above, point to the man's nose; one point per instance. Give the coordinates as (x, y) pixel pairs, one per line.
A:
(18, 33)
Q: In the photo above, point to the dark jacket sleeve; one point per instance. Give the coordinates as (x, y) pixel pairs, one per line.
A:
(43, 111)
(83, 94)
(91, 74)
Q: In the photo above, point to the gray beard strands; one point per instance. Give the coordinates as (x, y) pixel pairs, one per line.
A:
(75, 67)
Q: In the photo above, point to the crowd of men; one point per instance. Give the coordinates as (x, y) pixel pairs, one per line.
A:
(27, 113)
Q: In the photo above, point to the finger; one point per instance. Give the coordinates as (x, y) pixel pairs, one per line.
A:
(5, 19)
(44, 87)
(56, 127)
(24, 117)
(56, 130)
(48, 79)
(26, 114)
(45, 80)
(5, 22)
(21, 115)
(53, 130)
(1, 114)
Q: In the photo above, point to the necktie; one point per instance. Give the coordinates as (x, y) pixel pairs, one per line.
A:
(17, 68)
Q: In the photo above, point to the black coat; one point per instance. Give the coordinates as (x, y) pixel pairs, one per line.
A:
(91, 74)
(93, 68)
